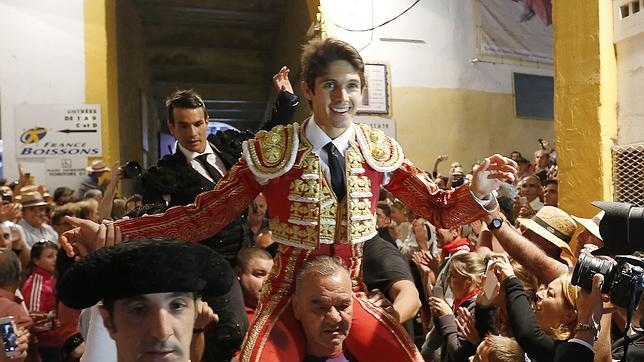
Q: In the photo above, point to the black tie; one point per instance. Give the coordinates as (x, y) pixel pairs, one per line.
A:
(336, 171)
(212, 171)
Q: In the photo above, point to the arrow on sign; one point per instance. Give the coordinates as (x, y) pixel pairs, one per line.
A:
(77, 131)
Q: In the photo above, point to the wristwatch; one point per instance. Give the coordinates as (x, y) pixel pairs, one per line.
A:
(495, 224)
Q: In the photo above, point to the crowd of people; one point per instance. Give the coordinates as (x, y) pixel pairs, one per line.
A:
(312, 242)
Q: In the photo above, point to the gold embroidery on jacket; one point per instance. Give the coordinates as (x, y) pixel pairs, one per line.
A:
(275, 149)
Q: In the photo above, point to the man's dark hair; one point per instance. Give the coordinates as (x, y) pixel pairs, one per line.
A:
(246, 254)
(108, 304)
(551, 181)
(59, 214)
(134, 198)
(318, 54)
(184, 98)
(9, 268)
(385, 208)
(62, 191)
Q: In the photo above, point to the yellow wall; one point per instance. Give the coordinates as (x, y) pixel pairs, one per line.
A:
(100, 71)
(585, 102)
(463, 123)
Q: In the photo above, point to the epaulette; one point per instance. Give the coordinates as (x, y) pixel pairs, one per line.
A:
(381, 152)
(272, 154)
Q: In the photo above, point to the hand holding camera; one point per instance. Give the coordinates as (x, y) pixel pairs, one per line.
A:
(501, 267)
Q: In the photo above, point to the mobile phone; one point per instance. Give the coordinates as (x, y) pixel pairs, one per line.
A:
(490, 281)
(437, 291)
(9, 337)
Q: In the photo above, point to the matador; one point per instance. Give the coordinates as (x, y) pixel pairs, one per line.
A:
(322, 181)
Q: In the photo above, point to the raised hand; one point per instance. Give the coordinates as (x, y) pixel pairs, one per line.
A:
(281, 81)
(10, 212)
(465, 323)
(489, 174)
(205, 315)
(421, 262)
(439, 307)
(502, 267)
(378, 299)
(87, 236)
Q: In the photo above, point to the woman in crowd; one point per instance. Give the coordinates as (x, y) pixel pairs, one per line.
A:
(553, 319)
(465, 273)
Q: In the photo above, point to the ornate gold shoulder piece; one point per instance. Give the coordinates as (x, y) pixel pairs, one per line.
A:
(381, 152)
(272, 154)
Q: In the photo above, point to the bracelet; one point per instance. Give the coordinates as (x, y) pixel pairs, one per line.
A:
(587, 327)
(198, 330)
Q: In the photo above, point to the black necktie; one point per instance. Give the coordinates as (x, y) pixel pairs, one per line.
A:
(336, 171)
(212, 171)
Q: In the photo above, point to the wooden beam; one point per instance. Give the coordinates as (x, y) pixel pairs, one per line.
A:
(198, 15)
(256, 92)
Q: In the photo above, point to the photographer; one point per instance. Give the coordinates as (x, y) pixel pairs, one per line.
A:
(622, 230)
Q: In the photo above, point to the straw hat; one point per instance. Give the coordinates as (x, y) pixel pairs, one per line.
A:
(592, 225)
(552, 224)
(97, 166)
(28, 188)
(32, 199)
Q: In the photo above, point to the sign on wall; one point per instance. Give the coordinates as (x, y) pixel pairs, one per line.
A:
(58, 131)
(64, 171)
(376, 95)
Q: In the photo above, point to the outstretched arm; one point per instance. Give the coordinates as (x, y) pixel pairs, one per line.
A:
(438, 160)
(211, 211)
(448, 208)
(286, 103)
(107, 202)
(526, 253)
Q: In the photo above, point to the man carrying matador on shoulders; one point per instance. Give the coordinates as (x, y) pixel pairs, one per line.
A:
(321, 180)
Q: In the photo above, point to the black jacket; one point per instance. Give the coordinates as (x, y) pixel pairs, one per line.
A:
(174, 176)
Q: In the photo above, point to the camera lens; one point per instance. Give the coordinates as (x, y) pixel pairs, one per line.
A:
(131, 169)
(587, 267)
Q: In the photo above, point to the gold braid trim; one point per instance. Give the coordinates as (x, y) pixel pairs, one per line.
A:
(381, 152)
(272, 154)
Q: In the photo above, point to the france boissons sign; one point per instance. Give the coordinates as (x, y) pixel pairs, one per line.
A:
(58, 130)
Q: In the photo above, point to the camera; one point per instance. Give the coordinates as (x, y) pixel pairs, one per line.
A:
(623, 281)
(131, 169)
(621, 228)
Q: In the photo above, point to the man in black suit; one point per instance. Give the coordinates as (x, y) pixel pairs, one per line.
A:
(195, 167)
